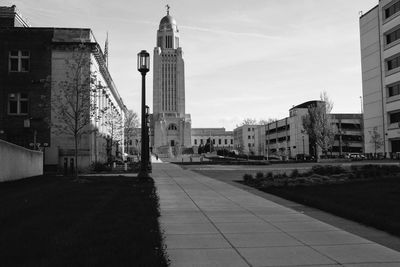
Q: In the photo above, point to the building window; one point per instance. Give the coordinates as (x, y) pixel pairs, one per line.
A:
(394, 90)
(231, 141)
(394, 117)
(201, 141)
(391, 10)
(393, 36)
(195, 141)
(172, 127)
(249, 144)
(18, 61)
(213, 141)
(18, 104)
(249, 137)
(248, 129)
(393, 63)
(219, 141)
(159, 42)
(168, 42)
(226, 141)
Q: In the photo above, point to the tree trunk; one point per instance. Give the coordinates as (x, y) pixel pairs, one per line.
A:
(76, 157)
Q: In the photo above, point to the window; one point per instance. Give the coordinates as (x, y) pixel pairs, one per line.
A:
(159, 42)
(226, 141)
(172, 127)
(393, 63)
(201, 141)
(393, 36)
(213, 141)
(168, 42)
(248, 129)
(18, 104)
(249, 144)
(249, 137)
(391, 10)
(394, 117)
(195, 141)
(231, 141)
(394, 90)
(18, 61)
(219, 141)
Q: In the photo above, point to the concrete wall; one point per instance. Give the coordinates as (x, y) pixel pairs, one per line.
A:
(17, 162)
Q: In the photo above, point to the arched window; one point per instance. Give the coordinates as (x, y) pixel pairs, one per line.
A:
(172, 127)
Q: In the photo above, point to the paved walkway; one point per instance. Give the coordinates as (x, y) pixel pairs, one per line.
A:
(211, 223)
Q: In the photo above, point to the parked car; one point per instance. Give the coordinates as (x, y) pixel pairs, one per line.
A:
(355, 156)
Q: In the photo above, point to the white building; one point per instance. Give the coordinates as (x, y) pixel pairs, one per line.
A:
(221, 139)
(171, 126)
(380, 58)
(244, 139)
(286, 138)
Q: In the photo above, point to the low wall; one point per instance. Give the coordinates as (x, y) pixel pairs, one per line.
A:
(17, 162)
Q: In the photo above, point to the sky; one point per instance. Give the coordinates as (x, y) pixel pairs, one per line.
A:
(243, 58)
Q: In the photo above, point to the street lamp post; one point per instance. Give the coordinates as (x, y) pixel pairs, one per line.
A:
(143, 61)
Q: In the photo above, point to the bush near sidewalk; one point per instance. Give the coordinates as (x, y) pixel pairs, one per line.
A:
(321, 174)
(99, 221)
(367, 194)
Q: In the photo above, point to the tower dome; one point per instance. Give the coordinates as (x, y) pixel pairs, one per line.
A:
(168, 22)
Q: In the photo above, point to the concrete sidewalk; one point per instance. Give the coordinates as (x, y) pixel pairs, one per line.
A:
(211, 223)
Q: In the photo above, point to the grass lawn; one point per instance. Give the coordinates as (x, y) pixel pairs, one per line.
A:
(375, 202)
(54, 221)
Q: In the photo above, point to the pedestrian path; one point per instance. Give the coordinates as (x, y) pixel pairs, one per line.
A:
(211, 223)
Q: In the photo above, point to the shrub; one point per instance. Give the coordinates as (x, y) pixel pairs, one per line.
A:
(248, 178)
(259, 175)
(295, 173)
(99, 166)
(327, 169)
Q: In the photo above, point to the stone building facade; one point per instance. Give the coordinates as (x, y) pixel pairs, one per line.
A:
(171, 126)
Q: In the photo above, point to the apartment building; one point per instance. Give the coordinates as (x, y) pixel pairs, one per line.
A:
(244, 139)
(286, 138)
(380, 59)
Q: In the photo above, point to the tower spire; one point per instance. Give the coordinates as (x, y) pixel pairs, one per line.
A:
(168, 7)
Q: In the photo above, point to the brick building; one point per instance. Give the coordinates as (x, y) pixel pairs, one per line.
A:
(32, 64)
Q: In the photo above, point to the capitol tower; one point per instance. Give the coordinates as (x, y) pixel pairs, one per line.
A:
(171, 127)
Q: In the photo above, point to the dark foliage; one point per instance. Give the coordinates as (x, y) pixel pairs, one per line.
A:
(98, 221)
(371, 202)
(327, 169)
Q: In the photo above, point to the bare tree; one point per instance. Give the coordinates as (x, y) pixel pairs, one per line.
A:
(131, 125)
(376, 138)
(248, 121)
(266, 121)
(114, 127)
(317, 123)
(72, 104)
